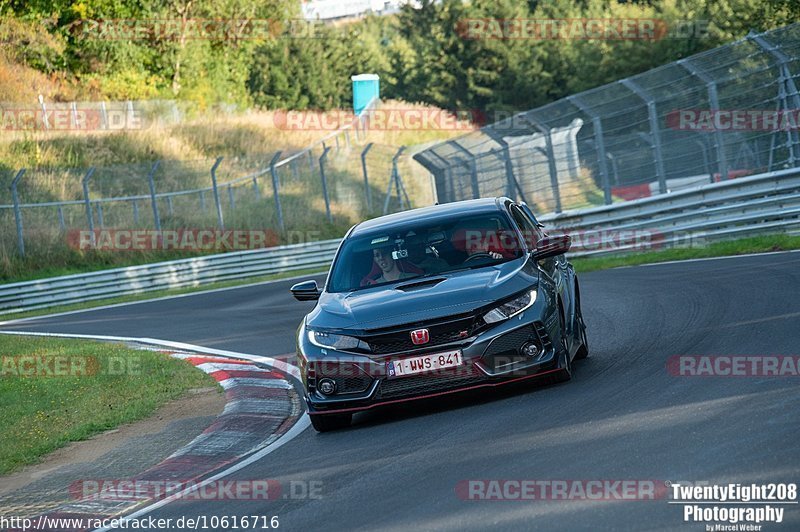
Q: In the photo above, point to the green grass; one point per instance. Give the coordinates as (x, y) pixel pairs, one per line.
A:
(159, 293)
(756, 244)
(119, 385)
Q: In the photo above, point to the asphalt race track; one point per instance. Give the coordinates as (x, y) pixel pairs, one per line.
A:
(623, 416)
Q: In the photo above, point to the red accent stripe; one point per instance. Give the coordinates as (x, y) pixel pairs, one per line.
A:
(223, 374)
(208, 360)
(437, 394)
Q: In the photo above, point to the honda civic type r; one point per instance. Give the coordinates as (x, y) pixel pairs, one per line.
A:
(434, 301)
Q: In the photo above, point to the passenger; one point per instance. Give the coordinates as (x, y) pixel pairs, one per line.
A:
(389, 270)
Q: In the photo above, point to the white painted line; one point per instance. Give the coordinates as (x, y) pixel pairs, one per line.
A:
(211, 367)
(295, 431)
(163, 298)
(701, 259)
(281, 365)
(302, 423)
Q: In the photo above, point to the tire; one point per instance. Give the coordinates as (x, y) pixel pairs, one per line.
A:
(328, 422)
(583, 350)
(565, 364)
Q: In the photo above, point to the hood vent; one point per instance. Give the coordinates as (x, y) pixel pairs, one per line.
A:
(417, 285)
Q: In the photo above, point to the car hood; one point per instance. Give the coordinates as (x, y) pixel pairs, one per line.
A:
(386, 306)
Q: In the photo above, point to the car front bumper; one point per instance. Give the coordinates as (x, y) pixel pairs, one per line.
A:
(491, 358)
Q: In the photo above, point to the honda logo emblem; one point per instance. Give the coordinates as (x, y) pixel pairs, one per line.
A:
(420, 336)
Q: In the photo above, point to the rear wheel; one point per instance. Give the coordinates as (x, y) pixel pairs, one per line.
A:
(327, 422)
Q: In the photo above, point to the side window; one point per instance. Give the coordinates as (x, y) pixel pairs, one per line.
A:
(530, 232)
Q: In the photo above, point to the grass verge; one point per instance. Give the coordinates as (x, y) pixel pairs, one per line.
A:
(743, 246)
(91, 387)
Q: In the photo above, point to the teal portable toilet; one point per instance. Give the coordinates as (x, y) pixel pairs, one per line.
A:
(366, 87)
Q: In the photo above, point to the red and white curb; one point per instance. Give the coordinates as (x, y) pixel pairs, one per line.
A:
(263, 411)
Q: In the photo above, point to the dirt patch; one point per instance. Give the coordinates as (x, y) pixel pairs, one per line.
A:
(200, 402)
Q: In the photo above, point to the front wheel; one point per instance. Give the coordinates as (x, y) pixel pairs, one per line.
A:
(583, 350)
(564, 372)
(328, 422)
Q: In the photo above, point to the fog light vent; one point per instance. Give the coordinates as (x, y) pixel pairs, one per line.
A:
(531, 350)
(326, 386)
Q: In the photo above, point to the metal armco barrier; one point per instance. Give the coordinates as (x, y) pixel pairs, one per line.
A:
(766, 203)
(45, 293)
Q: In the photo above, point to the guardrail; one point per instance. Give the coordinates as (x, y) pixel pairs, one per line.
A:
(766, 203)
(45, 293)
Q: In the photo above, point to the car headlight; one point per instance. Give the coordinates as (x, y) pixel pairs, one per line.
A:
(511, 308)
(333, 341)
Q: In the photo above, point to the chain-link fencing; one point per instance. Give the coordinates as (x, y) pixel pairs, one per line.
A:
(721, 114)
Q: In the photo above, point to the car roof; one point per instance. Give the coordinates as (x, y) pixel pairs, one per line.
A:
(444, 210)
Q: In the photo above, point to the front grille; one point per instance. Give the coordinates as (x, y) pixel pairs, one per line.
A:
(442, 332)
(430, 383)
(504, 350)
(349, 378)
(352, 384)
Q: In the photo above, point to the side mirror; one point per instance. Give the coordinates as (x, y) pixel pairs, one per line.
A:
(552, 246)
(306, 291)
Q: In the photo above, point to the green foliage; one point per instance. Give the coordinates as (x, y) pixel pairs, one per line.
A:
(421, 54)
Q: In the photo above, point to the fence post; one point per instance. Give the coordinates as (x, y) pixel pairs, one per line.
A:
(45, 120)
(713, 99)
(18, 211)
(398, 180)
(322, 159)
(103, 115)
(600, 144)
(88, 203)
(394, 179)
(216, 193)
(100, 218)
(256, 193)
(231, 199)
(786, 82)
(367, 191)
(203, 200)
(509, 165)
(153, 200)
(170, 207)
(135, 212)
(655, 133)
(276, 190)
(473, 168)
(61, 222)
(551, 158)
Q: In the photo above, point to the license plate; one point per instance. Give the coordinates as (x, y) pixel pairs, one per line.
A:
(423, 364)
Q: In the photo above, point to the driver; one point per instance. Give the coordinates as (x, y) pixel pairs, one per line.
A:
(477, 246)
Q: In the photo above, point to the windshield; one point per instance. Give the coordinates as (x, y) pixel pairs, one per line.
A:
(422, 249)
